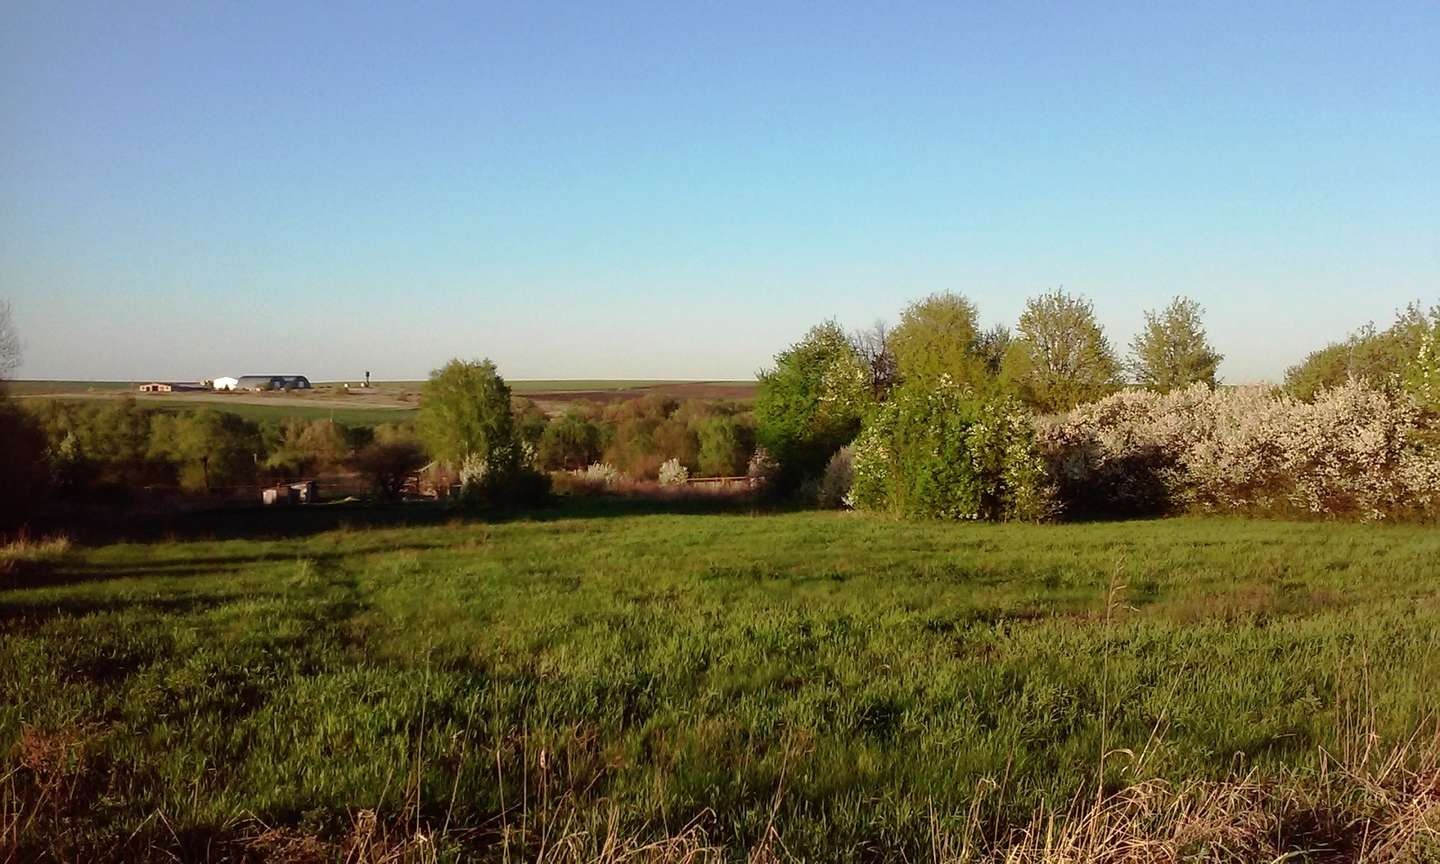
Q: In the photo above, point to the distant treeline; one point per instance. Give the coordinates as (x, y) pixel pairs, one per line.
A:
(937, 415)
(104, 449)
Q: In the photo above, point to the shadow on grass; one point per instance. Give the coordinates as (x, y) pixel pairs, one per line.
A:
(37, 613)
(61, 573)
(103, 527)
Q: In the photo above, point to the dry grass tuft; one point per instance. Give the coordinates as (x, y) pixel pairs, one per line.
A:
(30, 550)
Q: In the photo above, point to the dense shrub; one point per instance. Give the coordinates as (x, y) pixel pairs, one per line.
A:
(1352, 452)
(23, 470)
(939, 451)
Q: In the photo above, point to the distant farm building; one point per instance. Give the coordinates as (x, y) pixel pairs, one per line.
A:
(225, 382)
(272, 382)
(170, 386)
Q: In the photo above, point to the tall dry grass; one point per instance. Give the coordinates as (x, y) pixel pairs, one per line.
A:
(25, 549)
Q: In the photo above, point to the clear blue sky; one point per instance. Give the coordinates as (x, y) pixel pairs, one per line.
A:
(677, 190)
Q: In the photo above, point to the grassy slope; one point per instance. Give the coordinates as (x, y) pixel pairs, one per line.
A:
(672, 663)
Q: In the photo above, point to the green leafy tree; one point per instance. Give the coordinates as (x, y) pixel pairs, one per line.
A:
(211, 448)
(1379, 357)
(726, 445)
(810, 404)
(1062, 357)
(570, 442)
(937, 336)
(465, 415)
(466, 421)
(388, 463)
(311, 445)
(1172, 351)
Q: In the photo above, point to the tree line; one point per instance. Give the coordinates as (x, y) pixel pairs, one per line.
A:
(889, 388)
(935, 390)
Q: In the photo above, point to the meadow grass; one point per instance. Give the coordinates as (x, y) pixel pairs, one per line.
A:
(824, 685)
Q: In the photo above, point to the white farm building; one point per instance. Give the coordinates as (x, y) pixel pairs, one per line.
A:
(225, 382)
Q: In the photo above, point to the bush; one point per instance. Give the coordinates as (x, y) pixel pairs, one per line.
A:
(672, 473)
(23, 471)
(594, 479)
(835, 483)
(1355, 451)
(938, 451)
(388, 463)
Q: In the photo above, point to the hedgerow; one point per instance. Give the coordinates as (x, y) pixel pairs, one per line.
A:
(1355, 451)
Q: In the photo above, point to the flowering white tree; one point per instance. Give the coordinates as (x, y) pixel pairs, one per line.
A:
(1350, 452)
(672, 473)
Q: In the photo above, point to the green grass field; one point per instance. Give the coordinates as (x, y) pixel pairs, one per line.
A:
(358, 415)
(858, 684)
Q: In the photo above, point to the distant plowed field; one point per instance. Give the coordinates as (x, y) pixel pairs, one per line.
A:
(386, 401)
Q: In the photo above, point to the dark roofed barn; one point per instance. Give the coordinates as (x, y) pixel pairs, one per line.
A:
(272, 382)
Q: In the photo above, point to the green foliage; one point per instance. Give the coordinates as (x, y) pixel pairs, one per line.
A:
(388, 464)
(1422, 376)
(1062, 357)
(1379, 357)
(856, 684)
(24, 472)
(725, 445)
(304, 447)
(465, 415)
(1172, 350)
(993, 345)
(810, 404)
(569, 442)
(213, 448)
(530, 421)
(938, 451)
(466, 420)
(940, 336)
